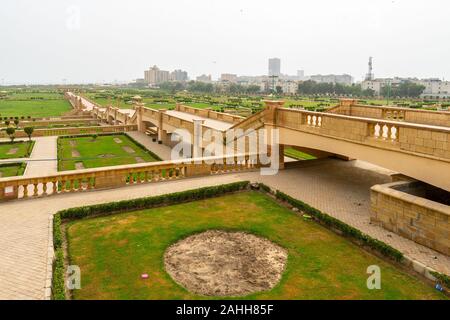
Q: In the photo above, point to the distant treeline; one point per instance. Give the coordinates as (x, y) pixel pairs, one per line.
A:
(407, 89)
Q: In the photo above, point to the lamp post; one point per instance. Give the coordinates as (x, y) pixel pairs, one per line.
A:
(389, 91)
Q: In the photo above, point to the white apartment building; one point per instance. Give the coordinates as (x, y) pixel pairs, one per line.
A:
(289, 87)
(345, 79)
(434, 88)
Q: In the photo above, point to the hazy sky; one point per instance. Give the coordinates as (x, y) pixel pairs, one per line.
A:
(105, 40)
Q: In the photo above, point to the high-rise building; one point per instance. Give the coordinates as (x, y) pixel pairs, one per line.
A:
(228, 77)
(275, 67)
(179, 75)
(204, 78)
(155, 76)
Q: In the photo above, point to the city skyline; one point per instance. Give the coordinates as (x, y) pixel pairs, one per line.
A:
(119, 45)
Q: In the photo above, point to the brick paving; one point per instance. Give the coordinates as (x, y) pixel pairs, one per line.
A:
(337, 187)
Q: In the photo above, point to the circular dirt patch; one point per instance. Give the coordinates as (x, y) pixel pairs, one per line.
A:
(219, 263)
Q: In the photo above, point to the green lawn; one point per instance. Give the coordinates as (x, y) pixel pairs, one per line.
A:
(34, 108)
(113, 251)
(298, 155)
(101, 152)
(11, 170)
(24, 149)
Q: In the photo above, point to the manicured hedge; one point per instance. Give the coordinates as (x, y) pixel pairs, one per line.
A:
(125, 205)
(346, 229)
(58, 276)
(442, 278)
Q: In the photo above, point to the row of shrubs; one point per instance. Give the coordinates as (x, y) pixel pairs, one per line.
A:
(334, 223)
(58, 282)
(17, 118)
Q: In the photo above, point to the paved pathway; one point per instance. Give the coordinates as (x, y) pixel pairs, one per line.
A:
(161, 150)
(337, 187)
(43, 158)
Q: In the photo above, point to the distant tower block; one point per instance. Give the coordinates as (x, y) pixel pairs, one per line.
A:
(369, 75)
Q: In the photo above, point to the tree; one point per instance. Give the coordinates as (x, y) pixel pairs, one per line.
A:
(29, 131)
(10, 131)
(16, 122)
(405, 89)
(279, 89)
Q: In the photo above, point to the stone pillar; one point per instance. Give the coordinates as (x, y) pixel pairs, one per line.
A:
(160, 125)
(164, 137)
(281, 155)
(271, 111)
(115, 116)
(140, 122)
(197, 146)
(347, 102)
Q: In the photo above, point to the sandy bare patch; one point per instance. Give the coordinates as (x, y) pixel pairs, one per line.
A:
(1, 174)
(75, 154)
(12, 151)
(117, 140)
(72, 143)
(139, 160)
(79, 165)
(107, 155)
(128, 149)
(219, 263)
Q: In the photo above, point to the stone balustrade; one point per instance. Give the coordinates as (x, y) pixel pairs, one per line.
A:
(207, 113)
(402, 136)
(255, 121)
(119, 176)
(73, 131)
(437, 118)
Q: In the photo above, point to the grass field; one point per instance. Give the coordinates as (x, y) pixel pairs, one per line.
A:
(113, 251)
(101, 152)
(34, 105)
(298, 155)
(22, 149)
(11, 169)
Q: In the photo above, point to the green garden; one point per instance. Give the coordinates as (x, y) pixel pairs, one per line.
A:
(93, 151)
(12, 169)
(113, 251)
(34, 104)
(17, 149)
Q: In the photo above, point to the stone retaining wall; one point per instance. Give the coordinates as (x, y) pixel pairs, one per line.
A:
(413, 217)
